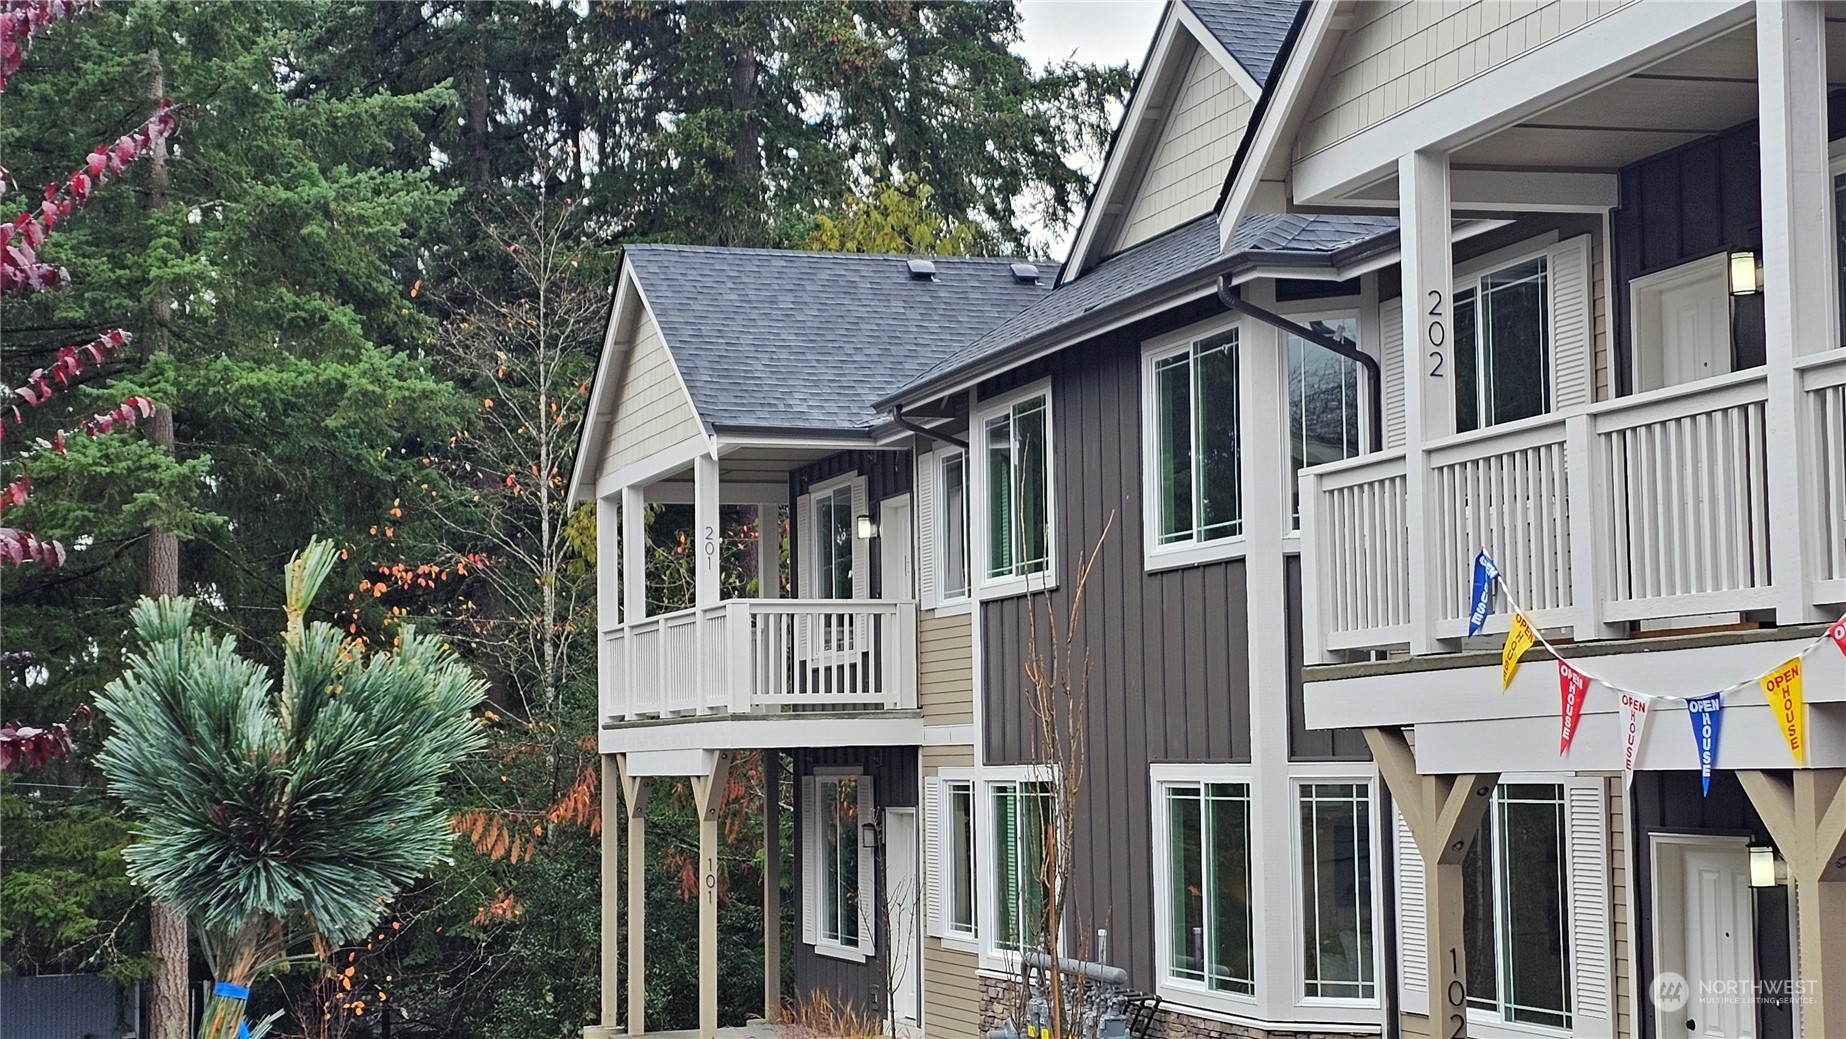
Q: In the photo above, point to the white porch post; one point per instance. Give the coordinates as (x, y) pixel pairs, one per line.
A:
(1429, 392)
(1799, 270)
(706, 531)
(634, 555)
(768, 551)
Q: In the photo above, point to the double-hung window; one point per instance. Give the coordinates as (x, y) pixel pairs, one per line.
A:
(1338, 961)
(1014, 447)
(952, 525)
(1503, 344)
(1021, 815)
(958, 874)
(1514, 914)
(833, 547)
(1194, 457)
(1323, 405)
(1204, 917)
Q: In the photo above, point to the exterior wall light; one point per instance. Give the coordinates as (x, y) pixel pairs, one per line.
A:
(1746, 274)
(868, 836)
(1765, 869)
(867, 527)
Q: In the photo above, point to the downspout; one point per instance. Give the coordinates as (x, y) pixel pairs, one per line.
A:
(897, 416)
(1375, 376)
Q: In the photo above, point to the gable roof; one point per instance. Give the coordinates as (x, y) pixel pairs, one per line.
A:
(1160, 267)
(770, 339)
(1251, 30)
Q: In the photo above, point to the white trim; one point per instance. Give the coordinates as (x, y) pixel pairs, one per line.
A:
(1239, 75)
(987, 897)
(938, 550)
(1295, 90)
(1162, 777)
(1154, 555)
(661, 463)
(948, 735)
(607, 369)
(1337, 773)
(1356, 313)
(812, 840)
(985, 587)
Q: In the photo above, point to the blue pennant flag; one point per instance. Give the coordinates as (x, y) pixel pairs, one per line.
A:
(1485, 574)
(1707, 715)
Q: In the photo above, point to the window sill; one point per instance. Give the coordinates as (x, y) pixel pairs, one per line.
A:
(1013, 587)
(967, 944)
(1487, 1026)
(953, 607)
(1216, 1006)
(1193, 553)
(849, 953)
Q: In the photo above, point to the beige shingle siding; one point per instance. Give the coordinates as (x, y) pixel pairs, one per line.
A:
(652, 411)
(1191, 155)
(1618, 901)
(945, 669)
(1402, 53)
(951, 989)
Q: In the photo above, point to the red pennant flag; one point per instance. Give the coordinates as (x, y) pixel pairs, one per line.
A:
(1838, 633)
(1573, 688)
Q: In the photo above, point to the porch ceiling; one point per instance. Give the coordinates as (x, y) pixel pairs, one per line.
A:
(1695, 93)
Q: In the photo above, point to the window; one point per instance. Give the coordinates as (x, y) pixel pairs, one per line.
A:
(953, 526)
(1021, 814)
(1513, 916)
(1207, 919)
(833, 547)
(1016, 443)
(1502, 345)
(1196, 486)
(839, 865)
(958, 901)
(1323, 404)
(1336, 889)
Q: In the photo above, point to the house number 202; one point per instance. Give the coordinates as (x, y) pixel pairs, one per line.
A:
(1437, 333)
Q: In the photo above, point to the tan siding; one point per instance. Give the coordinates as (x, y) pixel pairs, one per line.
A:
(1618, 902)
(1599, 315)
(1400, 54)
(1194, 149)
(652, 411)
(1415, 1026)
(945, 669)
(951, 988)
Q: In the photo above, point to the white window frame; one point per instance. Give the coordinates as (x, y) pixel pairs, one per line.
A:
(987, 893)
(1836, 168)
(1497, 1023)
(1335, 772)
(1183, 991)
(943, 927)
(1156, 556)
(812, 841)
(984, 586)
(1291, 521)
(938, 464)
(1468, 275)
(852, 483)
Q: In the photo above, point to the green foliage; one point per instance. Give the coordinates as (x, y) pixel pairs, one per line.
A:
(69, 903)
(272, 813)
(897, 219)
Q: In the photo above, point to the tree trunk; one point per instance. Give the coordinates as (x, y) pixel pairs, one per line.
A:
(169, 1005)
(746, 149)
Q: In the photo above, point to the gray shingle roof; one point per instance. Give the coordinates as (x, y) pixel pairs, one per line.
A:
(809, 341)
(1252, 30)
(1175, 256)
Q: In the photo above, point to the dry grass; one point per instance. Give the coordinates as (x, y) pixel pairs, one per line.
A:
(818, 1016)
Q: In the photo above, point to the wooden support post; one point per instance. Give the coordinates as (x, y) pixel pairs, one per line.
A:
(1806, 815)
(1429, 365)
(1444, 815)
(611, 894)
(634, 797)
(772, 885)
(708, 797)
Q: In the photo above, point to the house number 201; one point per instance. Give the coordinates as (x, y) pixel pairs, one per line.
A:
(1437, 333)
(711, 541)
(1457, 997)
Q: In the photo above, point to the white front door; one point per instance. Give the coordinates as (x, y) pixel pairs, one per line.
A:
(896, 562)
(902, 896)
(1682, 323)
(1708, 937)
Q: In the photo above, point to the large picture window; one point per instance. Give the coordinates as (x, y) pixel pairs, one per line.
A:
(1514, 916)
(1022, 814)
(833, 548)
(1502, 345)
(1323, 405)
(1207, 919)
(1016, 446)
(1336, 886)
(839, 865)
(952, 525)
(1194, 451)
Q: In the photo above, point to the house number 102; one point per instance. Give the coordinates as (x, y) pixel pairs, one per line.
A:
(1437, 334)
(1457, 997)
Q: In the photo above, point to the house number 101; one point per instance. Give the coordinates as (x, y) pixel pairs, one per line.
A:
(1437, 334)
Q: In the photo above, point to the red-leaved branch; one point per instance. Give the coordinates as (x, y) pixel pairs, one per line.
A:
(20, 20)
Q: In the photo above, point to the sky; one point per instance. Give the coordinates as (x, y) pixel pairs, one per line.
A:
(1101, 32)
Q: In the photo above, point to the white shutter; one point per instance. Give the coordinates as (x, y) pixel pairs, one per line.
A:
(1391, 365)
(868, 872)
(1586, 872)
(861, 548)
(1573, 352)
(926, 530)
(1412, 925)
(810, 860)
(933, 868)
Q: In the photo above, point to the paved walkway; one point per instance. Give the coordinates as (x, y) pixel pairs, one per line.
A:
(754, 1030)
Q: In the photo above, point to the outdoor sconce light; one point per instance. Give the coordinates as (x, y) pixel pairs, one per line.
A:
(1765, 869)
(868, 527)
(868, 836)
(1746, 274)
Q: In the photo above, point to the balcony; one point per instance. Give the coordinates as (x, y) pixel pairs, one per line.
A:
(1650, 507)
(762, 657)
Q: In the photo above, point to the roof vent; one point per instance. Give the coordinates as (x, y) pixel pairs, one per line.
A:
(922, 270)
(1025, 273)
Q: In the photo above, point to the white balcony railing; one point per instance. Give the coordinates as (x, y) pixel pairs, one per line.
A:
(761, 656)
(1647, 507)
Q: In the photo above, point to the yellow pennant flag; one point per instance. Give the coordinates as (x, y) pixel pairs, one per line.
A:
(1782, 687)
(1518, 640)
